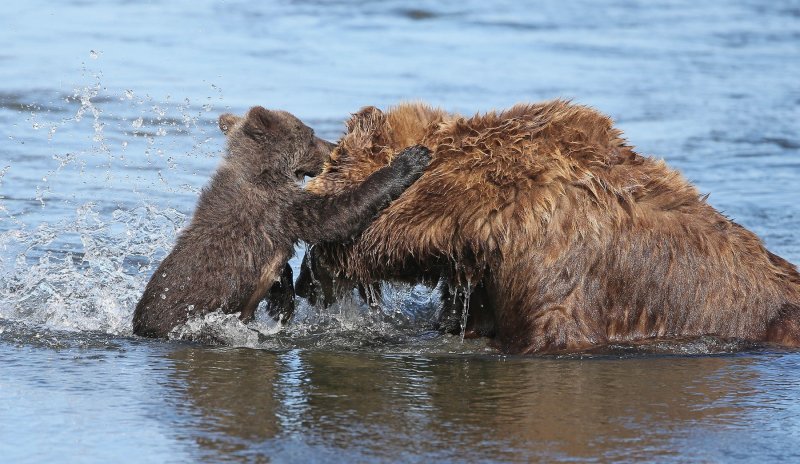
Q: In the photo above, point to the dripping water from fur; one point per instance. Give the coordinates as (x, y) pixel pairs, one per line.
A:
(466, 292)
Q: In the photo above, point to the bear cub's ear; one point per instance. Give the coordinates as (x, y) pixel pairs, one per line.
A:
(262, 119)
(227, 121)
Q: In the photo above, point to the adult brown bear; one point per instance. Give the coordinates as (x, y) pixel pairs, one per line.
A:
(562, 236)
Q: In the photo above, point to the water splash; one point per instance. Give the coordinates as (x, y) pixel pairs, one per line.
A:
(104, 214)
(84, 96)
(3, 208)
(225, 329)
(399, 323)
(93, 286)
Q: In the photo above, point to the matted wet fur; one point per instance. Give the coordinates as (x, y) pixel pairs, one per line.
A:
(565, 235)
(234, 252)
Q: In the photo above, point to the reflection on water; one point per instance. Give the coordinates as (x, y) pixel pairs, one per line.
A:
(171, 401)
(107, 134)
(226, 400)
(241, 404)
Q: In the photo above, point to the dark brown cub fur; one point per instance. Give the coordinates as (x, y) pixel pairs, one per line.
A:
(250, 216)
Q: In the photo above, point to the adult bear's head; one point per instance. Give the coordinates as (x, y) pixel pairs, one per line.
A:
(372, 139)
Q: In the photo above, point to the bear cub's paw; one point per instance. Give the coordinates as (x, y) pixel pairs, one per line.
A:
(415, 159)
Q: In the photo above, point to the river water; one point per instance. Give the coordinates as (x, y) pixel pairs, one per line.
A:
(108, 131)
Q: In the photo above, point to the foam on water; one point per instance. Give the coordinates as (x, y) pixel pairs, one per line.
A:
(400, 323)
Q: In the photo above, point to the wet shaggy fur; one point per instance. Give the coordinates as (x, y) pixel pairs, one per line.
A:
(248, 220)
(556, 234)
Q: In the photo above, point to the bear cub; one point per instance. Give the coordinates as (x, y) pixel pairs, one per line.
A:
(235, 251)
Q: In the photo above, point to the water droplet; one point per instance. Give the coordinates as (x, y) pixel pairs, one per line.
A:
(164, 274)
(129, 94)
(161, 131)
(93, 54)
(163, 296)
(138, 122)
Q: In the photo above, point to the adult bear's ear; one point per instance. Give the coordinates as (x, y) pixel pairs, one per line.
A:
(262, 119)
(227, 121)
(367, 119)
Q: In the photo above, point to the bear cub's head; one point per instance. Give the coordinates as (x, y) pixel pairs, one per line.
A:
(274, 141)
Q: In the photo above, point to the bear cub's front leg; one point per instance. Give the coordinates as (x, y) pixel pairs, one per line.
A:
(341, 217)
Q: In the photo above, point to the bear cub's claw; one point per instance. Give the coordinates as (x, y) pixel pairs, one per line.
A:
(416, 158)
